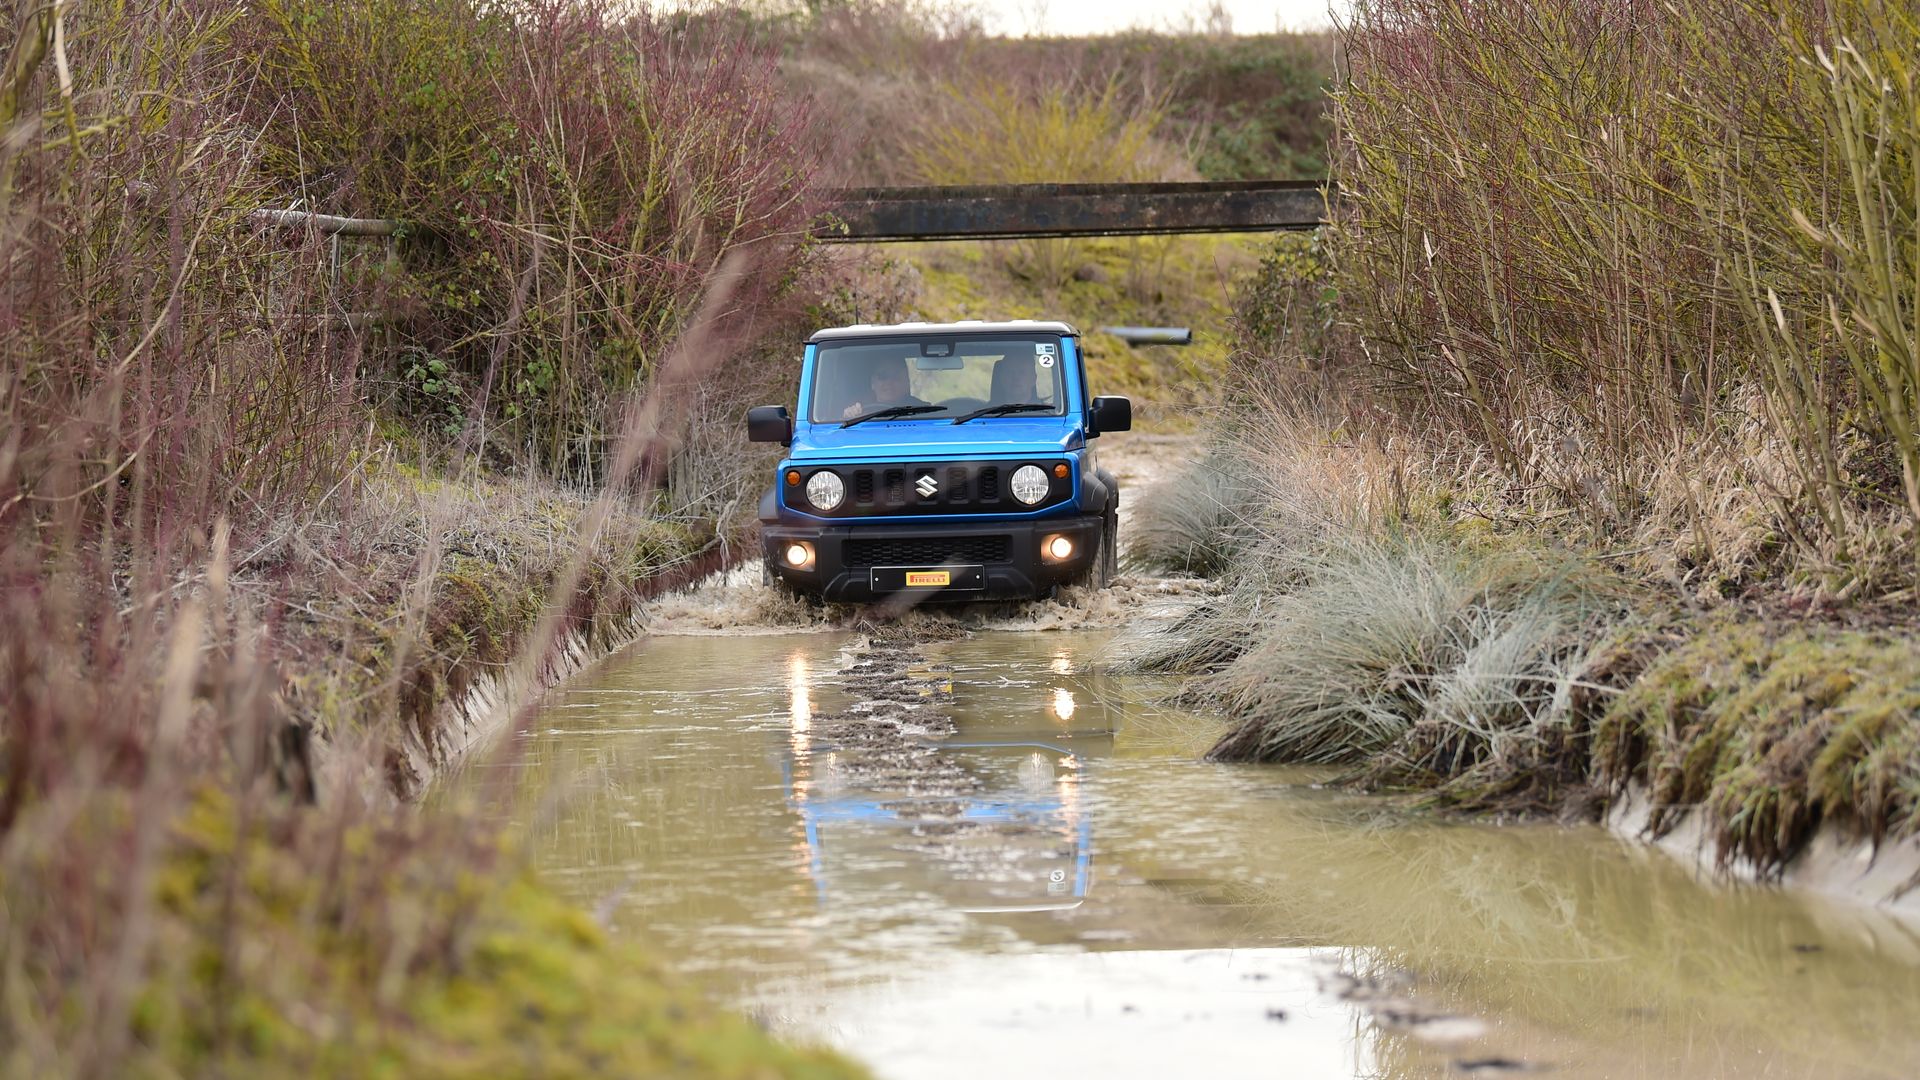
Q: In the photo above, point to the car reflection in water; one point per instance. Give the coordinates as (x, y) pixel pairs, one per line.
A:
(1019, 839)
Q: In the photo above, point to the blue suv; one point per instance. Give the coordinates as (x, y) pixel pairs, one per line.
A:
(941, 461)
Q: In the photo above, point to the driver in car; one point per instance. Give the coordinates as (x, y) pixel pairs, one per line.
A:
(890, 388)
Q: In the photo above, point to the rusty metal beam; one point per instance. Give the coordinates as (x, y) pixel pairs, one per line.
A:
(1011, 211)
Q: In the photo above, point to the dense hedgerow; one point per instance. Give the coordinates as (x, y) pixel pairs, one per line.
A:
(571, 173)
(1583, 435)
(228, 593)
(1652, 264)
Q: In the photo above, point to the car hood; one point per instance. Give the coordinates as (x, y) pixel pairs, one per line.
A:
(936, 439)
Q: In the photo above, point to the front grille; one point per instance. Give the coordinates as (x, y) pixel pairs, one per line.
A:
(925, 551)
(936, 487)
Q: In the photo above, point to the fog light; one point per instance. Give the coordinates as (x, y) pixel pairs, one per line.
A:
(799, 555)
(1058, 548)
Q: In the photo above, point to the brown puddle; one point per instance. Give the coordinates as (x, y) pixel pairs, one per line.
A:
(981, 858)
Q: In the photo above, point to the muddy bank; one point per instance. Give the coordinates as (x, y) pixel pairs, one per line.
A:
(1833, 861)
(467, 702)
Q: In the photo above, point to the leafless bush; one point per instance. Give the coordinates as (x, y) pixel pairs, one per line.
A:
(572, 174)
(1557, 244)
(212, 560)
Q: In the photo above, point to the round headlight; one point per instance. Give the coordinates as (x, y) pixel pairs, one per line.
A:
(824, 490)
(1029, 484)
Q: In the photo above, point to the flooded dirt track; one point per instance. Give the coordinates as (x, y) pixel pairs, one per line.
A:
(961, 851)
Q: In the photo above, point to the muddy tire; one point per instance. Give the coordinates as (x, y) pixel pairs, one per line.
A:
(1100, 575)
(781, 587)
(1109, 562)
(1110, 549)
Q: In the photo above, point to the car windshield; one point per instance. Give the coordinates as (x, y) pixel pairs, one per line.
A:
(958, 374)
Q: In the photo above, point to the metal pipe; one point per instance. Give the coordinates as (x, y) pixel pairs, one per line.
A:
(1151, 335)
(329, 223)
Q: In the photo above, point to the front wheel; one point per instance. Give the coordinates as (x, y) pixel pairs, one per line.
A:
(1110, 549)
(1100, 573)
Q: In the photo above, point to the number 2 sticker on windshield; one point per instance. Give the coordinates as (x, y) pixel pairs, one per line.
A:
(1043, 352)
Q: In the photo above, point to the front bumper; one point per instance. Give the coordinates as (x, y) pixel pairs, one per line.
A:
(841, 572)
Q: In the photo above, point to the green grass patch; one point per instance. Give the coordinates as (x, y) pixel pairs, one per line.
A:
(282, 950)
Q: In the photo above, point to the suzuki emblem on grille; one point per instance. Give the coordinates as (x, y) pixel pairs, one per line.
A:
(926, 485)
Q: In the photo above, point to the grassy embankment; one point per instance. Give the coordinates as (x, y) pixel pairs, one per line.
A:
(268, 505)
(1581, 448)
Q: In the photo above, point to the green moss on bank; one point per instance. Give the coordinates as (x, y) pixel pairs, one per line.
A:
(1774, 730)
(404, 949)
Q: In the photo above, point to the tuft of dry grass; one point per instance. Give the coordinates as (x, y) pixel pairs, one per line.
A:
(1194, 523)
(1434, 657)
(1357, 629)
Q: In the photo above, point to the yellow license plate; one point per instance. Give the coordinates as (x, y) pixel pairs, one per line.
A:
(929, 577)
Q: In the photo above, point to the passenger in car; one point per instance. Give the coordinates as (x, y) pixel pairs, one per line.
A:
(1013, 382)
(890, 387)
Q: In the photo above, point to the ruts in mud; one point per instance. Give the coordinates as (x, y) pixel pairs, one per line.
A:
(886, 740)
(887, 744)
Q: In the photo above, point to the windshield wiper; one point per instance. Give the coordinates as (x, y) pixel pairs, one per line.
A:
(1002, 410)
(890, 413)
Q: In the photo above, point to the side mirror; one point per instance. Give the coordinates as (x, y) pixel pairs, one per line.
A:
(1110, 414)
(769, 423)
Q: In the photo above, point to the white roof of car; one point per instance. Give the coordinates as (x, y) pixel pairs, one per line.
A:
(964, 326)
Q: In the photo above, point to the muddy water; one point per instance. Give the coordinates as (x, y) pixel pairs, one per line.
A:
(982, 857)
